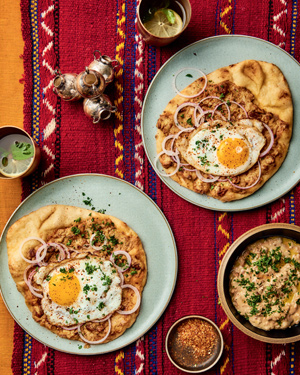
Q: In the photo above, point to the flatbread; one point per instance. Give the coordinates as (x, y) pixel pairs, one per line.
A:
(261, 88)
(54, 224)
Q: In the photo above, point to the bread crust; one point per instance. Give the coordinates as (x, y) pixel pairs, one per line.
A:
(261, 88)
(54, 223)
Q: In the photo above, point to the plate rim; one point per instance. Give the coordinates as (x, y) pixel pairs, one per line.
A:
(163, 179)
(8, 223)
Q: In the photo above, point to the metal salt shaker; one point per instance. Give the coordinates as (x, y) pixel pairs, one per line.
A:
(64, 86)
(90, 83)
(103, 65)
(99, 109)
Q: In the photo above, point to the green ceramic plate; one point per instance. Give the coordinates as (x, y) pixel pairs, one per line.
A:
(126, 202)
(208, 55)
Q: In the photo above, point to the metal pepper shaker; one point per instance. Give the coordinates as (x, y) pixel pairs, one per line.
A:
(103, 65)
(64, 86)
(99, 108)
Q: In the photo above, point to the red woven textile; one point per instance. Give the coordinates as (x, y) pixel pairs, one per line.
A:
(59, 33)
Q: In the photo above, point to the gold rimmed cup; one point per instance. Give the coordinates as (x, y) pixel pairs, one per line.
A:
(181, 7)
(193, 352)
(6, 131)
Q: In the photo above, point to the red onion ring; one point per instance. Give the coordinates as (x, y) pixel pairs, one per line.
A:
(40, 257)
(120, 252)
(179, 108)
(175, 170)
(22, 244)
(231, 101)
(59, 248)
(32, 289)
(138, 301)
(248, 187)
(217, 106)
(99, 341)
(97, 247)
(28, 279)
(189, 96)
(66, 250)
(163, 145)
(199, 175)
(102, 320)
(72, 328)
(271, 141)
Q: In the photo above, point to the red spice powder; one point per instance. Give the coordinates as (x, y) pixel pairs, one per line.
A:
(194, 342)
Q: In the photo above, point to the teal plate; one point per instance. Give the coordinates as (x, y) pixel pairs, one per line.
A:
(208, 55)
(126, 202)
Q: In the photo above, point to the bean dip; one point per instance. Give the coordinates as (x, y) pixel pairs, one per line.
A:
(264, 283)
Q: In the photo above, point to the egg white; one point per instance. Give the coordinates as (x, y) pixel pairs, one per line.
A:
(202, 148)
(100, 291)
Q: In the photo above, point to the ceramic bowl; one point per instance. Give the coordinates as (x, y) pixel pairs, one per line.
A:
(8, 130)
(149, 38)
(193, 368)
(277, 336)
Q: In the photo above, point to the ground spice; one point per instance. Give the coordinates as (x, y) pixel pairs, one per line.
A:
(194, 342)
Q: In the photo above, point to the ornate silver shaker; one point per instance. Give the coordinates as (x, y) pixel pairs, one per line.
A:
(90, 84)
(64, 86)
(103, 65)
(99, 109)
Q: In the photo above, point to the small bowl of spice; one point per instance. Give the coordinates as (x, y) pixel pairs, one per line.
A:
(194, 344)
(19, 154)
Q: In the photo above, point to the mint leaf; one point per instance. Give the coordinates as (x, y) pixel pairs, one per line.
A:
(170, 15)
(21, 150)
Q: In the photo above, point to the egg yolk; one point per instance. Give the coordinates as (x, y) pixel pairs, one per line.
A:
(233, 152)
(64, 288)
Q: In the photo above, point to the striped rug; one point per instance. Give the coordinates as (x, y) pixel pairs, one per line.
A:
(64, 34)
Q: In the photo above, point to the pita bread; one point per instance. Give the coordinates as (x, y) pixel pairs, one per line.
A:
(54, 224)
(261, 88)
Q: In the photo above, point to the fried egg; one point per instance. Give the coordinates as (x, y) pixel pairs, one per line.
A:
(225, 149)
(79, 290)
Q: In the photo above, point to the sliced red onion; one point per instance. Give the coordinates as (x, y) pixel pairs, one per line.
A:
(29, 278)
(202, 118)
(222, 179)
(120, 252)
(99, 341)
(217, 106)
(97, 247)
(32, 289)
(66, 250)
(271, 141)
(163, 145)
(199, 175)
(102, 320)
(248, 187)
(72, 328)
(175, 170)
(179, 108)
(62, 254)
(231, 101)
(187, 169)
(189, 96)
(40, 257)
(138, 300)
(22, 244)
(211, 97)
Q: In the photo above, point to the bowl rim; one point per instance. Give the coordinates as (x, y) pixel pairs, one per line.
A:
(221, 289)
(36, 154)
(169, 39)
(202, 318)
